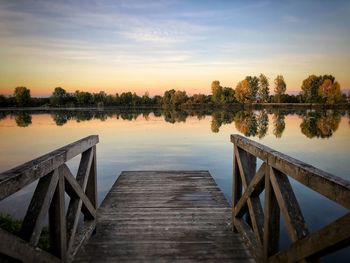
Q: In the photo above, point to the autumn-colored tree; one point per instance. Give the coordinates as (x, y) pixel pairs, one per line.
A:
(178, 98)
(309, 88)
(166, 100)
(329, 91)
(264, 90)
(216, 91)
(22, 96)
(242, 92)
(280, 87)
(253, 87)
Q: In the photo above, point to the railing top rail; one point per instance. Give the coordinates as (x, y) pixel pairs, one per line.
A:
(16, 178)
(331, 186)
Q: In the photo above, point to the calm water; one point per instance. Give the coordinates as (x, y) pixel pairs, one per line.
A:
(183, 140)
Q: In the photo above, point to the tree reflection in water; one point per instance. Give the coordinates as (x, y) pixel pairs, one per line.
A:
(23, 119)
(314, 123)
(263, 123)
(320, 124)
(220, 118)
(246, 123)
(278, 123)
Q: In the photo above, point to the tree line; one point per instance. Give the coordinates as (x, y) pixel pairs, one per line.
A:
(314, 89)
(252, 89)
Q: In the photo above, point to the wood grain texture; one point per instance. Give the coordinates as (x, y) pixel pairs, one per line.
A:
(164, 217)
(281, 200)
(329, 185)
(17, 178)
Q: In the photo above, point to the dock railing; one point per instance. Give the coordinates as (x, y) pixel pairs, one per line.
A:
(260, 226)
(55, 180)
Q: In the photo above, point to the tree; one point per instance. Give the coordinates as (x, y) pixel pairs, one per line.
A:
(136, 100)
(83, 98)
(280, 87)
(145, 99)
(100, 98)
(228, 95)
(178, 98)
(166, 100)
(126, 98)
(264, 90)
(59, 97)
(242, 93)
(309, 88)
(3, 101)
(253, 87)
(329, 91)
(216, 91)
(22, 96)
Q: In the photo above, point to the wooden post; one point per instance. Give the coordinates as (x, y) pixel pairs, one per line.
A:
(91, 188)
(271, 219)
(236, 189)
(57, 221)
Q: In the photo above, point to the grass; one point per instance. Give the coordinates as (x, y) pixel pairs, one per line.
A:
(13, 225)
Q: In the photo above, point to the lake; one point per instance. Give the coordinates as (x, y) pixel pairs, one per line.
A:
(170, 140)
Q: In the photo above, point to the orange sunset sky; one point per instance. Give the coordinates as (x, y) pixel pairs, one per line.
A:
(153, 46)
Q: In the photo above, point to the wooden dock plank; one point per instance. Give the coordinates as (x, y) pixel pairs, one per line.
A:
(164, 216)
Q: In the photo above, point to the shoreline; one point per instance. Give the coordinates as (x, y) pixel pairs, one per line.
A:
(225, 107)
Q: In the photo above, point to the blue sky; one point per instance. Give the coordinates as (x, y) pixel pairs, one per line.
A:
(157, 45)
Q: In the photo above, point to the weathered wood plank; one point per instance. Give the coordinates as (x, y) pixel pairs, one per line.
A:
(288, 204)
(33, 221)
(315, 243)
(184, 222)
(74, 190)
(249, 237)
(91, 187)
(15, 179)
(331, 186)
(280, 198)
(16, 248)
(57, 221)
(247, 167)
(253, 189)
(271, 219)
(81, 237)
(75, 204)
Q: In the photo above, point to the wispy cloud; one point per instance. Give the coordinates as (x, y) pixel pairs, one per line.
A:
(182, 37)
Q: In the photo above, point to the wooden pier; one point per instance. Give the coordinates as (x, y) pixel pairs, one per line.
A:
(164, 216)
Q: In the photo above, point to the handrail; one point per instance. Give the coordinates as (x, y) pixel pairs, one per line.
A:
(260, 227)
(55, 179)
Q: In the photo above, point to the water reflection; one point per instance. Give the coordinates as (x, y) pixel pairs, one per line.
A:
(23, 119)
(278, 124)
(320, 124)
(314, 123)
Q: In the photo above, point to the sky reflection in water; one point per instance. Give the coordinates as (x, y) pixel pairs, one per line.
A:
(155, 140)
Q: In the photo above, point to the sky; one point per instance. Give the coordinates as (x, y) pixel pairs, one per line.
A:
(153, 46)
